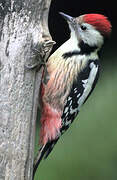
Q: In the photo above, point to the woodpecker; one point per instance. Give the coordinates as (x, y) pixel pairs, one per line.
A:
(71, 74)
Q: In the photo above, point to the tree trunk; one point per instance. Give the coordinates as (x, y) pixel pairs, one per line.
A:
(23, 26)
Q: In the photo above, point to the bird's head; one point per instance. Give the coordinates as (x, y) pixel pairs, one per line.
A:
(89, 28)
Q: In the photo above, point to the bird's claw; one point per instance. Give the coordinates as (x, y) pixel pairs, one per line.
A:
(40, 54)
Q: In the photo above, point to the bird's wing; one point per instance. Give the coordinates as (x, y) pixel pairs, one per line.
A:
(79, 93)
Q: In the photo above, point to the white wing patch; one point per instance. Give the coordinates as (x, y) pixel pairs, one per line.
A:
(88, 84)
(69, 98)
(84, 82)
(78, 95)
(66, 110)
(73, 110)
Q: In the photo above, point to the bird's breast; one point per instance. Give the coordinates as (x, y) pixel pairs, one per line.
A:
(61, 78)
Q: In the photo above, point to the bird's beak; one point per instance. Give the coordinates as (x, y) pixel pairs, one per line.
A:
(72, 24)
(67, 17)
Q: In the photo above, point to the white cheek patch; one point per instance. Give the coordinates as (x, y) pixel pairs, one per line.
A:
(92, 36)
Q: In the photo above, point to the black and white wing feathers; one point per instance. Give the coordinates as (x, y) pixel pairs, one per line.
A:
(80, 91)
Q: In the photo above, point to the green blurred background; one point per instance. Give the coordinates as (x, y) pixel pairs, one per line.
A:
(88, 150)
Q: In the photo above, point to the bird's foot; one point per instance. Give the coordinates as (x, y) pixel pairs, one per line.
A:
(40, 54)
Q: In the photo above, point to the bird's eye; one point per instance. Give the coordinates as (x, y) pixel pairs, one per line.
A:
(83, 27)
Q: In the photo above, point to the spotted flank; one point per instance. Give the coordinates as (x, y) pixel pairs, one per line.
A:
(80, 91)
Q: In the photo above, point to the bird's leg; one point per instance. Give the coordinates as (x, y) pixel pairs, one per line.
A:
(40, 54)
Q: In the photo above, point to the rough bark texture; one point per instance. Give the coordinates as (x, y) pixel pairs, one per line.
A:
(23, 26)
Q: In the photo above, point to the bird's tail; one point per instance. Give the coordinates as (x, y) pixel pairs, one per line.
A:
(44, 151)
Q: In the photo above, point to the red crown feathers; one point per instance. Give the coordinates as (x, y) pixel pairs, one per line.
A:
(100, 22)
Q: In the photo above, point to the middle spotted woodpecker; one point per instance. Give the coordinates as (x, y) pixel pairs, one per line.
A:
(71, 74)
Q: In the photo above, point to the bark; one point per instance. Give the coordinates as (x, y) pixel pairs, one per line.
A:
(23, 27)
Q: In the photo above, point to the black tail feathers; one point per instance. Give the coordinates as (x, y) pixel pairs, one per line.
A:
(44, 151)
